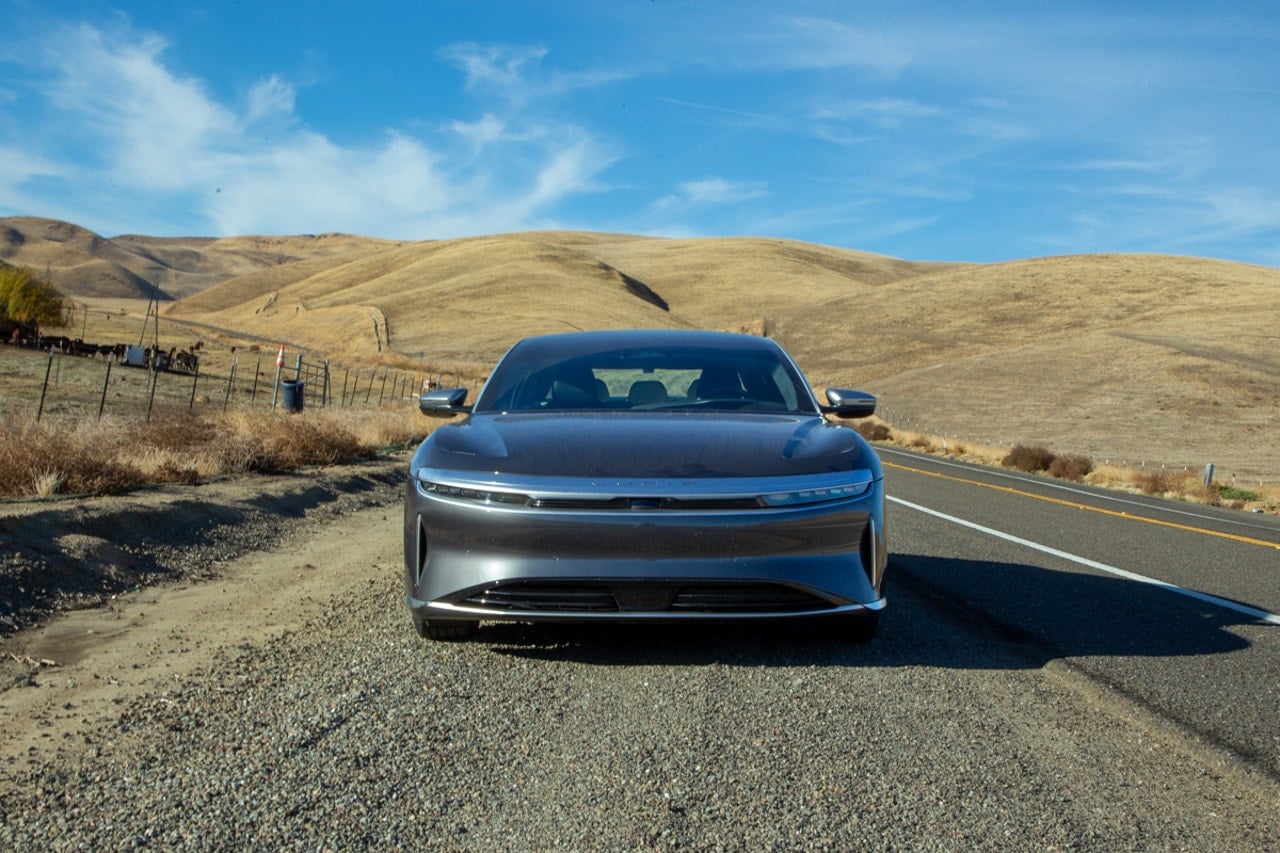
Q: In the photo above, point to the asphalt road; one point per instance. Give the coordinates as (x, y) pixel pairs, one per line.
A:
(1173, 605)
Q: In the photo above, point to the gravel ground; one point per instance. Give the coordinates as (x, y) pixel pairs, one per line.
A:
(320, 721)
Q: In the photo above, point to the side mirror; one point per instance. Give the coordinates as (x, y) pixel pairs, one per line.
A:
(850, 404)
(444, 403)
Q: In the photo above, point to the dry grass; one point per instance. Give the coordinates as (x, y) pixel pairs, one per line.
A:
(110, 456)
(1169, 484)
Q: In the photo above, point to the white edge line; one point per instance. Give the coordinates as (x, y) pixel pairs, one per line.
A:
(1251, 612)
(1153, 506)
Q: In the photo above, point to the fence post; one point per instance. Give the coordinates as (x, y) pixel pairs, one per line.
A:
(230, 381)
(44, 388)
(102, 404)
(195, 377)
(346, 372)
(155, 378)
(257, 371)
(324, 391)
(383, 388)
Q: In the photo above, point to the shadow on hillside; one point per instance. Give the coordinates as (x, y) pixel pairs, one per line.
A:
(943, 612)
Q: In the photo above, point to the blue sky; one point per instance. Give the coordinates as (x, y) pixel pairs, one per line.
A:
(974, 131)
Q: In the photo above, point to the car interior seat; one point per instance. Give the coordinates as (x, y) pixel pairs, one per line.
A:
(646, 392)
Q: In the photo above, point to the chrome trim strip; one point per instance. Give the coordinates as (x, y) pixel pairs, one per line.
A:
(440, 607)
(606, 489)
(875, 553)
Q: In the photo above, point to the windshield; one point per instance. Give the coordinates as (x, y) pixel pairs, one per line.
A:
(647, 379)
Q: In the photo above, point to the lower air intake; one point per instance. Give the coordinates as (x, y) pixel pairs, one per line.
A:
(687, 597)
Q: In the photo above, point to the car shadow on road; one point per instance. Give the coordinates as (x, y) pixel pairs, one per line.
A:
(943, 612)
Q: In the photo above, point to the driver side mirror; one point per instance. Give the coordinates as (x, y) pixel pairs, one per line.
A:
(444, 403)
(846, 403)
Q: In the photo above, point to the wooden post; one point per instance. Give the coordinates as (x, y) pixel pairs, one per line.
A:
(44, 388)
(102, 404)
(194, 379)
(230, 381)
(155, 378)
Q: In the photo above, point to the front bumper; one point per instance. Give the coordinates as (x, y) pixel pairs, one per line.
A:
(641, 551)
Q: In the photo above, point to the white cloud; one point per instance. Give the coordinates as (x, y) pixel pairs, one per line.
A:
(497, 66)
(709, 192)
(885, 112)
(822, 43)
(127, 124)
(480, 134)
(515, 72)
(270, 97)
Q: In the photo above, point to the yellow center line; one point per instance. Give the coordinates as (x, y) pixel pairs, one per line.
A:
(1076, 505)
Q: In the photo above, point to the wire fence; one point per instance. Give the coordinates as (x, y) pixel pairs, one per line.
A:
(132, 385)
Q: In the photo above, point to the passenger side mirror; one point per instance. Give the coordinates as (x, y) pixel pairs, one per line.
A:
(444, 403)
(845, 403)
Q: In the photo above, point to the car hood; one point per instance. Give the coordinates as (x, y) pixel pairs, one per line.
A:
(648, 445)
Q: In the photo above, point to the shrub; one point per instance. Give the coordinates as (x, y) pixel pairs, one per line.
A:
(1073, 468)
(1231, 493)
(1154, 482)
(874, 431)
(108, 456)
(1030, 459)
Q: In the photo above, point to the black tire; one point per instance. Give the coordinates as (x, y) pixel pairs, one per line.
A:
(855, 628)
(449, 630)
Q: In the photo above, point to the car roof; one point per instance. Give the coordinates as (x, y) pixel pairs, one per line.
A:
(568, 344)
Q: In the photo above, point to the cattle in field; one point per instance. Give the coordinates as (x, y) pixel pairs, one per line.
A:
(186, 362)
(61, 343)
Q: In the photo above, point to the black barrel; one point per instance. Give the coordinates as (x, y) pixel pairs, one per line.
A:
(291, 394)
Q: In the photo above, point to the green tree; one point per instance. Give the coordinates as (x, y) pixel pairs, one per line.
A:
(30, 300)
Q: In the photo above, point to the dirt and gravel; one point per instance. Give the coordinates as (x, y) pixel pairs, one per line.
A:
(230, 666)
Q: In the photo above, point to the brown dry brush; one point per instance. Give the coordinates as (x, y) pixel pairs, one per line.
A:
(1032, 459)
(110, 456)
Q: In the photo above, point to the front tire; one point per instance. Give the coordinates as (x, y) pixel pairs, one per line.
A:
(857, 628)
(448, 630)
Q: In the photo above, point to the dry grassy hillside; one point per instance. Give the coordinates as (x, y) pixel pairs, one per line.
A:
(468, 300)
(1155, 358)
(724, 282)
(456, 301)
(85, 264)
(1168, 359)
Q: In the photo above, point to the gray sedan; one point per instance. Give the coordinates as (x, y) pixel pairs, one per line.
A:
(644, 476)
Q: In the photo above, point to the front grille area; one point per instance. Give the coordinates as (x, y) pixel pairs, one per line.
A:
(675, 597)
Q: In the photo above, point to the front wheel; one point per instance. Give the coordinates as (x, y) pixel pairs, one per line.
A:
(450, 630)
(853, 627)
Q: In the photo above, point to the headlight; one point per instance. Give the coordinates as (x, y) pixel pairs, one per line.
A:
(814, 496)
(481, 496)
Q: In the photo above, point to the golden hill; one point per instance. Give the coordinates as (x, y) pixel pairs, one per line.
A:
(1123, 357)
(85, 264)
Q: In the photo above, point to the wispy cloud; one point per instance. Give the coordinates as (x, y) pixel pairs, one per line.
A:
(884, 112)
(127, 125)
(816, 43)
(515, 72)
(710, 191)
